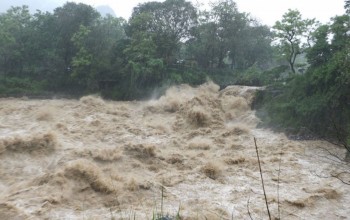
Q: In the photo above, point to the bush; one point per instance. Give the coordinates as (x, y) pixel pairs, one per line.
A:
(256, 77)
(315, 102)
(13, 86)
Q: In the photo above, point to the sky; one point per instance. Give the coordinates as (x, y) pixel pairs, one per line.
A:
(267, 11)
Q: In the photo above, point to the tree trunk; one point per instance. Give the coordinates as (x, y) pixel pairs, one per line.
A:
(292, 56)
(291, 64)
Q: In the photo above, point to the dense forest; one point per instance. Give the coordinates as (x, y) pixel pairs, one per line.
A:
(305, 65)
(75, 50)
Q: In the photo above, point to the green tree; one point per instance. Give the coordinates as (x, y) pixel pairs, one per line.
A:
(15, 39)
(168, 23)
(44, 62)
(70, 50)
(24, 52)
(226, 33)
(81, 62)
(217, 33)
(347, 6)
(144, 67)
(320, 52)
(203, 46)
(290, 32)
(103, 42)
(156, 32)
(252, 46)
(68, 20)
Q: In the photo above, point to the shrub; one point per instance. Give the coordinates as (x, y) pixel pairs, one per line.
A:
(21, 86)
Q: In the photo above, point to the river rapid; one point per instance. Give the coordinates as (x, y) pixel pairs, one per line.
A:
(190, 153)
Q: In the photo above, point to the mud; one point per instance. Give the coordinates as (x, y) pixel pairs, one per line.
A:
(190, 153)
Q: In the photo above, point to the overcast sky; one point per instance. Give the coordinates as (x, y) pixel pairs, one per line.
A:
(268, 11)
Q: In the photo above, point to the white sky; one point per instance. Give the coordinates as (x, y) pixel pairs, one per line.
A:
(267, 11)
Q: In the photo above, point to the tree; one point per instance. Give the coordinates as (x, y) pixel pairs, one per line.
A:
(144, 67)
(82, 60)
(167, 23)
(252, 46)
(290, 32)
(70, 50)
(347, 6)
(228, 21)
(100, 43)
(223, 33)
(340, 30)
(156, 32)
(203, 46)
(68, 20)
(15, 39)
(320, 52)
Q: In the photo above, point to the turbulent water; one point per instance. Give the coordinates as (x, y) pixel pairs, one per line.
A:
(191, 153)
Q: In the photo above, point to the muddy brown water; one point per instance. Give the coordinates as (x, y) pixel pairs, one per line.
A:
(190, 152)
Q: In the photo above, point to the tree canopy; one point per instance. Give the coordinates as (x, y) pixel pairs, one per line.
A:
(290, 33)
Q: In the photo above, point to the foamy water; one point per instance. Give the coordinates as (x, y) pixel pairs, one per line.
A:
(97, 159)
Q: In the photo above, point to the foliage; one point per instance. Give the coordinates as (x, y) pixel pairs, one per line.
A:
(167, 24)
(76, 51)
(256, 77)
(15, 30)
(82, 59)
(290, 32)
(347, 6)
(226, 37)
(21, 86)
(319, 100)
